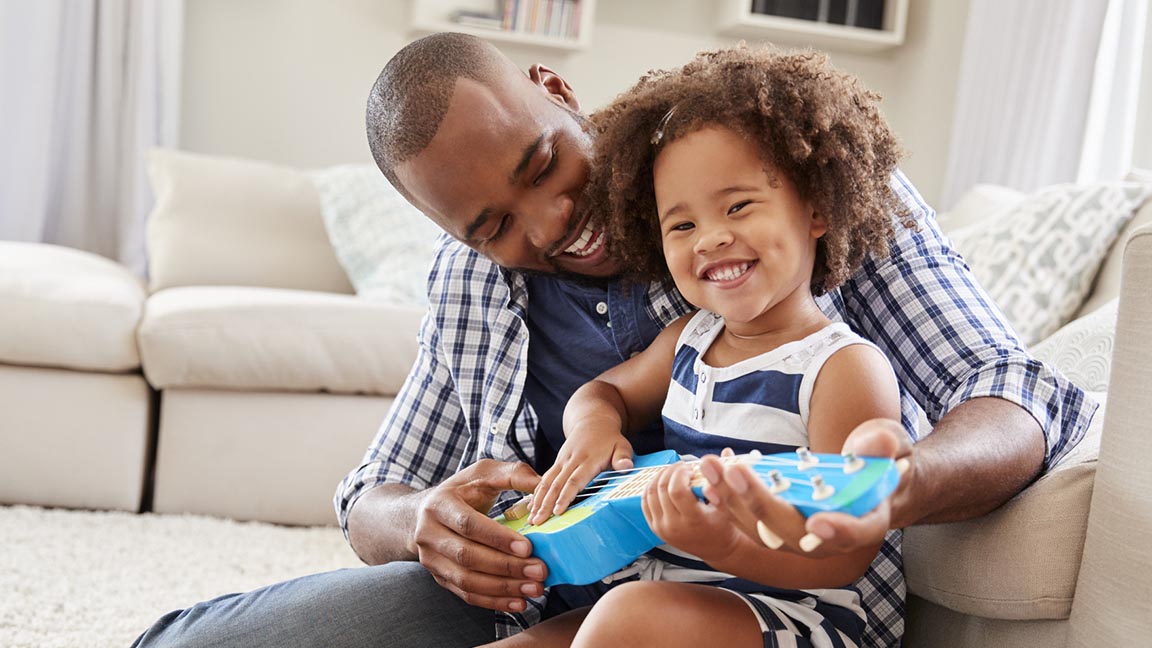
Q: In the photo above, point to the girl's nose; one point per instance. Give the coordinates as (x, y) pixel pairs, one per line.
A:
(712, 237)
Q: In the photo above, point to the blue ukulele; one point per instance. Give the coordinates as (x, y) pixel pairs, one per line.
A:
(605, 530)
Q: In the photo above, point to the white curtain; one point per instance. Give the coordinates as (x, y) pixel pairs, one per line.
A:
(86, 88)
(1046, 93)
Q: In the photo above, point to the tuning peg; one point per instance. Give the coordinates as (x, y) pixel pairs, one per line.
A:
(779, 483)
(820, 490)
(852, 463)
(806, 458)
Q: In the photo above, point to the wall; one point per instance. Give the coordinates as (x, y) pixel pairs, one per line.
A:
(286, 80)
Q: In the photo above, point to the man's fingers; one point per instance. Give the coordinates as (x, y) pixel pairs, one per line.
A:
(879, 438)
(843, 532)
(480, 589)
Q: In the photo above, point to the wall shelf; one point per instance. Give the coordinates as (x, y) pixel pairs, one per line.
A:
(735, 18)
(429, 16)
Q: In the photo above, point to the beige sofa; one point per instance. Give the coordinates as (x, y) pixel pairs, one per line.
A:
(272, 377)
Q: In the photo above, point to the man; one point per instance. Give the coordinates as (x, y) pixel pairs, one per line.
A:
(499, 160)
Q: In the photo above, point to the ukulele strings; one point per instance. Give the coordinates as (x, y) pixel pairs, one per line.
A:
(612, 478)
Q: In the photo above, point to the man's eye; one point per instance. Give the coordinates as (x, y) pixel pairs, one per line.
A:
(503, 227)
(547, 169)
(738, 206)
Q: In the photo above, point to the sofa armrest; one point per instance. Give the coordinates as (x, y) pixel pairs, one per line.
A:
(1115, 581)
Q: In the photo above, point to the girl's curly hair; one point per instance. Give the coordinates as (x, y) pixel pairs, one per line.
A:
(815, 125)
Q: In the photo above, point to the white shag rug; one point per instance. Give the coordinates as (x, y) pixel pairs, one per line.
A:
(80, 578)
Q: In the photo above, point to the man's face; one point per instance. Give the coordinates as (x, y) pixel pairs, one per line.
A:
(506, 173)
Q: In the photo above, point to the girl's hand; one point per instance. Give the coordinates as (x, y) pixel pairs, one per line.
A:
(679, 518)
(583, 456)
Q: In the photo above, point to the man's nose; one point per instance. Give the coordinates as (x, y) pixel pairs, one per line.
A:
(548, 220)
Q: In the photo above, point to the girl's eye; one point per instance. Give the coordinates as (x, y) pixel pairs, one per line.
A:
(738, 206)
(547, 169)
(682, 227)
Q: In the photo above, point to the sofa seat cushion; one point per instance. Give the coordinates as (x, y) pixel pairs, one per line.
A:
(67, 308)
(276, 339)
(1019, 562)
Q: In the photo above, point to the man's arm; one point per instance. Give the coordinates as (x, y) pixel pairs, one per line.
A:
(408, 501)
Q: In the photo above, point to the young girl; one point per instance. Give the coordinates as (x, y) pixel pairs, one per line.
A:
(754, 180)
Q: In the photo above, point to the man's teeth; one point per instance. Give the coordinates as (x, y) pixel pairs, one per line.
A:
(588, 243)
(728, 273)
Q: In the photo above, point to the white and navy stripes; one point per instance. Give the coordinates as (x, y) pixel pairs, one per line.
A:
(946, 341)
(762, 403)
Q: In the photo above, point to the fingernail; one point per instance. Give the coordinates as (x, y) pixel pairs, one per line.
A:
(810, 541)
(736, 479)
(771, 540)
(821, 529)
(902, 465)
(530, 589)
(710, 473)
(521, 548)
(535, 572)
(516, 606)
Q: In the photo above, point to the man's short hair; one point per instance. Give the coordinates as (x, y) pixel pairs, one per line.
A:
(412, 94)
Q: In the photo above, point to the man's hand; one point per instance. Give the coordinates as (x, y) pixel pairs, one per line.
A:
(483, 562)
(583, 456)
(780, 526)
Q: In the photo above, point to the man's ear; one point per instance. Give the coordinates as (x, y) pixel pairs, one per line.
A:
(554, 85)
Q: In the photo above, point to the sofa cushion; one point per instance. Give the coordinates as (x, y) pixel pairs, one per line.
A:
(1106, 286)
(977, 204)
(1037, 258)
(989, 566)
(273, 339)
(67, 308)
(228, 222)
(384, 244)
(1082, 350)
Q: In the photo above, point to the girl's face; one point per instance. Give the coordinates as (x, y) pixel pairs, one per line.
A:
(737, 243)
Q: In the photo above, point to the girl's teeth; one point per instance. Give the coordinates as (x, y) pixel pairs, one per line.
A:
(728, 273)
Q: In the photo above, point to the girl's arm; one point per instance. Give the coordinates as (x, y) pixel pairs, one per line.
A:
(600, 415)
(855, 385)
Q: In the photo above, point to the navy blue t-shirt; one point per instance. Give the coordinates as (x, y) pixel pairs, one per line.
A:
(576, 332)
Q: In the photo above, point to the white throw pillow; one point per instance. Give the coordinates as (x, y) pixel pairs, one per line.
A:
(384, 244)
(977, 204)
(1082, 350)
(1037, 258)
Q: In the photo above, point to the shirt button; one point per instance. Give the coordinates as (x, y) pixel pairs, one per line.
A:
(601, 308)
(609, 324)
(703, 377)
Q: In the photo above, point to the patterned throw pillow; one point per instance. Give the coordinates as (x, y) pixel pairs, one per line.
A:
(1082, 350)
(383, 243)
(1037, 258)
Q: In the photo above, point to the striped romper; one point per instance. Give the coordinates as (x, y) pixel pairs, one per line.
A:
(762, 404)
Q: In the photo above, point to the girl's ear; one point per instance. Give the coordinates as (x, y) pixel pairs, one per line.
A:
(554, 85)
(819, 225)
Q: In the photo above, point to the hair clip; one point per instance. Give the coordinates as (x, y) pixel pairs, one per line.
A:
(659, 133)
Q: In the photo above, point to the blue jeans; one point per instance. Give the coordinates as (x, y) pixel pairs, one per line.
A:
(398, 604)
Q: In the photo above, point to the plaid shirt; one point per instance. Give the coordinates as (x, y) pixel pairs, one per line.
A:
(947, 342)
